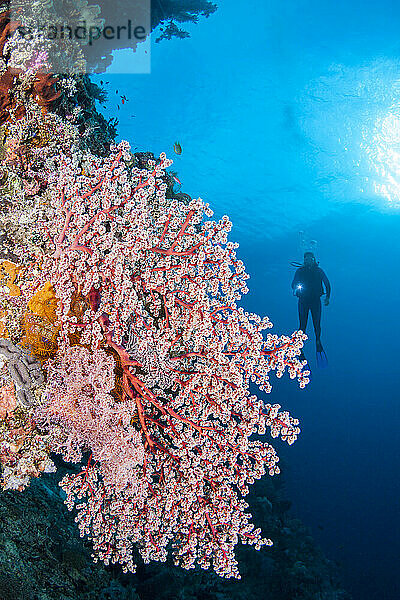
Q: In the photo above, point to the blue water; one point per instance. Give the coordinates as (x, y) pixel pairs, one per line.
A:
(289, 119)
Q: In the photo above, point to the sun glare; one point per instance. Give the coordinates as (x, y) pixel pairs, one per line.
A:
(384, 154)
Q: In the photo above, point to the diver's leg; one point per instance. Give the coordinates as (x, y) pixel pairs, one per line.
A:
(322, 360)
(316, 317)
(303, 315)
(303, 318)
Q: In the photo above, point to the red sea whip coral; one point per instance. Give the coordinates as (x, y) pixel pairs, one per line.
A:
(161, 285)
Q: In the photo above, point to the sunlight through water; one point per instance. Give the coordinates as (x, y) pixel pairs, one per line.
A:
(384, 156)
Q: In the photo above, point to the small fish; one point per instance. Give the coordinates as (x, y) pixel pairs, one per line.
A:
(124, 99)
(177, 148)
(176, 179)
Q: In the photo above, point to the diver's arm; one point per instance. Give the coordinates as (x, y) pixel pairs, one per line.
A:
(296, 287)
(295, 280)
(327, 287)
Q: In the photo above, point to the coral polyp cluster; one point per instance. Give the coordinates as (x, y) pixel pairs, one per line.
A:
(126, 350)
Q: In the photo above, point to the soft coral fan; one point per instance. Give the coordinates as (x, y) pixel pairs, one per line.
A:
(158, 286)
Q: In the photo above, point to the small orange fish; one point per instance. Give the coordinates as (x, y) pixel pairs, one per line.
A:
(178, 148)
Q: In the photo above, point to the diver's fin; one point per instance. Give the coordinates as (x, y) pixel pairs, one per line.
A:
(306, 367)
(322, 359)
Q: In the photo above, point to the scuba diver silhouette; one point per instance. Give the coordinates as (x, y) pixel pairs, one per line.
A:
(308, 285)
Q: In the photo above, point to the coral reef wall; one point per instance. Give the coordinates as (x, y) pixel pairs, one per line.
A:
(126, 360)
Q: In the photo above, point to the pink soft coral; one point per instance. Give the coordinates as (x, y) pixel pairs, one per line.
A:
(81, 415)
